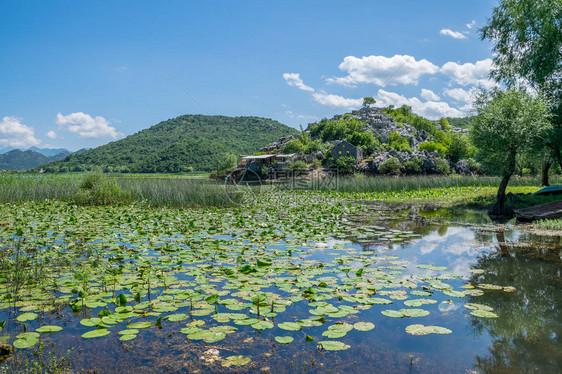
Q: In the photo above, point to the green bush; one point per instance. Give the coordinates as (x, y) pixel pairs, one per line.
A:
(294, 146)
(299, 164)
(345, 164)
(316, 163)
(98, 189)
(398, 142)
(434, 146)
(442, 165)
(391, 166)
(459, 148)
(365, 140)
(413, 166)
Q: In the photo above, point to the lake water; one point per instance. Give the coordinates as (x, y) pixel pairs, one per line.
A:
(457, 258)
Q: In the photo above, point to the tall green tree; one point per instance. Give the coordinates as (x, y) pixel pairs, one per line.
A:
(508, 123)
(528, 45)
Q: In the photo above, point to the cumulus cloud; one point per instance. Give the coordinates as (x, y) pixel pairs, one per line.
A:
(13, 133)
(336, 100)
(294, 79)
(87, 126)
(453, 34)
(469, 73)
(51, 134)
(471, 24)
(428, 109)
(460, 94)
(381, 70)
(429, 95)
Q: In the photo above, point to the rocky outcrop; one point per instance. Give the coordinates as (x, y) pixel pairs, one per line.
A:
(381, 125)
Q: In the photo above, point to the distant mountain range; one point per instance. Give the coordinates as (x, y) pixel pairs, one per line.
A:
(188, 142)
(23, 160)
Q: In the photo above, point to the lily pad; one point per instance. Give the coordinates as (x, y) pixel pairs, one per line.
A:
(176, 317)
(333, 345)
(284, 339)
(393, 313)
(291, 326)
(29, 316)
(25, 343)
(484, 313)
(363, 326)
(235, 361)
(140, 325)
(49, 329)
(96, 333)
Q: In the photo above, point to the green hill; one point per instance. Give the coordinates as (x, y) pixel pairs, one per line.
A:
(22, 160)
(189, 142)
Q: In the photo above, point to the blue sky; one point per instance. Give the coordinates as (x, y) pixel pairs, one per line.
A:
(81, 74)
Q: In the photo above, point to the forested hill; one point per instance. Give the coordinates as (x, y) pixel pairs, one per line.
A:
(188, 142)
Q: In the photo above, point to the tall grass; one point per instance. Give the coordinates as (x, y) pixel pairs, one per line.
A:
(360, 183)
(15, 188)
(179, 192)
(152, 191)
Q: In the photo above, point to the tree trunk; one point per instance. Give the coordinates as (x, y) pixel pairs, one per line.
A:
(544, 170)
(500, 211)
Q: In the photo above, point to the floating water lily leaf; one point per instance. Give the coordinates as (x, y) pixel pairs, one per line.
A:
(333, 345)
(393, 313)
(484, 313)
(363, 326)
(425, 330)
(213, 336)
(140, 325)
(262, 325)
(127, 337)
(421, 293)
(30, 316)
(128, 332)
(334, 334)
(380, 300)
(90, 322)
(176, 317)
(454, 293)
(28, 335)
(235, 361)
(96, 333)
(291, 326)
(25, 343)
(49, 329)
(414, 312)
(284, 339)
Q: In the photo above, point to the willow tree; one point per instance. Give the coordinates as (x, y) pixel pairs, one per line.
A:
(527, 37)
(508, 123)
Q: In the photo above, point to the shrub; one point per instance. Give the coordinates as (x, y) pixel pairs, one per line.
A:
(365, 140)
(398, 142)
(299, 164)
(441, 165)
(294, 146)
(459, 148)
(434, 146)
(345, 164)
(98, 189)
(413, 166)
(391, 166)
(316, 163)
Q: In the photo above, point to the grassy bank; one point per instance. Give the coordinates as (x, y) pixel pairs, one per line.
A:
(164, 190)
(153, 191)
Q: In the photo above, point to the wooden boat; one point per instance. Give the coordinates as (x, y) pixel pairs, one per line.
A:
(550, 210)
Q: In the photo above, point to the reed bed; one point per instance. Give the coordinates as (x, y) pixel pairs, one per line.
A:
(411, 183)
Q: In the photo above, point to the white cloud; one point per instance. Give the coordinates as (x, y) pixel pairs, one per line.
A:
(461, 95)
(429, 109)
(469, 73)
(471, 24)
(336, 100)
(86, 126)
(13, 133)
(294, 79)
(429, 95)
(51, 134)
(381, 70)
(453, 34)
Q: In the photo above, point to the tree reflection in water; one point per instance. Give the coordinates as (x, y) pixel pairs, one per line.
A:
(527, 336)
